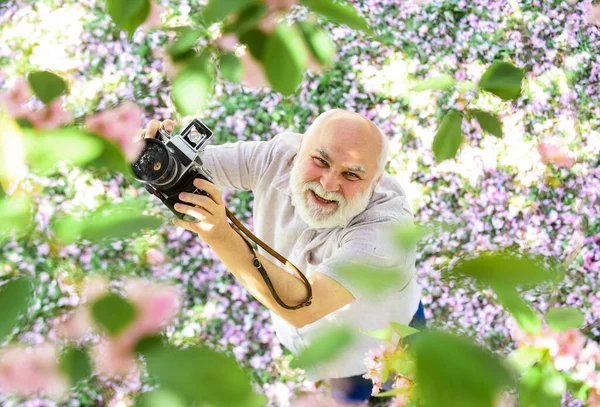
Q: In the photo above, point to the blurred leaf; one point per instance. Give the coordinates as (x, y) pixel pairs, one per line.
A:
(15, 217)
(453, 368)
(384, 334)
(285, 59)
(407, 235)
(45, 149)
(184, 43)
(441, 82)
(247, 19)
(561, 319)
(528, 319)
(374, 281)
(502, 79)
(403, 363)
(46, 85)
(505, 269)
(403, 330)
(449, 137)
(203, 376)
(114, 313)
(318, 41)
(326, 346)
(111, 159)
(338, 13)
(217, 10)
(465, 86)
(192, 86)
(579, 390)
(488, 122)
(524, 357)
(541, 386)
(231, 67)
(15, 297)
(12, 152)
(149, 344)
(255, 41)
(128, 15)
(160, 398)
(76, 364)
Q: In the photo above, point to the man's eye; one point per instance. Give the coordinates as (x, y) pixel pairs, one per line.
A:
(352, 175)
(320, 161)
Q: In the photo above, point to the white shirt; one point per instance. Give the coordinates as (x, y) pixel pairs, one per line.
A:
(264, 168)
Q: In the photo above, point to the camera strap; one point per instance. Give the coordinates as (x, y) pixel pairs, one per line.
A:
(240, 228)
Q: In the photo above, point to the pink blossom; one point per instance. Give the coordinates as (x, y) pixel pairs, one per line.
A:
(94, 287)
(154, 17)
(594, 14)
(570, 344)
(228, 42)
(554, 154)
(29, 371)
(76, 326)
(268, 23)
(119, 125)
(281, 4)
(154, 257)
(114, 357)
(13, 100)
(52, 116)
(254, 76)
(316, 400)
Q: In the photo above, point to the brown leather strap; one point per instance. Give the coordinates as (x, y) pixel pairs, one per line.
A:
(239, 228)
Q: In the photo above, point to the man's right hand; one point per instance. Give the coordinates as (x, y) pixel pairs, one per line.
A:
(153, 126)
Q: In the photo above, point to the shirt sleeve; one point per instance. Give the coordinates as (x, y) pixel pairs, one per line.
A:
(240, 165)
(371, 245)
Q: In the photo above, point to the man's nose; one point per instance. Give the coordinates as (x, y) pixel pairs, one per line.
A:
(330, 183)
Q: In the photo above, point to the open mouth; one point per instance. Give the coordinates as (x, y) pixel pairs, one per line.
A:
(320, 200)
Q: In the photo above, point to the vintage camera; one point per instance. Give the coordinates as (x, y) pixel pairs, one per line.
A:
(169, 164)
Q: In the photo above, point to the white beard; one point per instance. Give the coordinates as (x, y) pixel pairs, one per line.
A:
(316, 216)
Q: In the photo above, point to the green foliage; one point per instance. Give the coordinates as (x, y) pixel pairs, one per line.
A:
(113, 313)
(561, 319)
(502, 79)
(217, 10)
(203, 376)
(76, 364)
(338, 13)
(403, 330)
(326, 346)
(489, 122)
(441, 82)
(449, 137)
(285, 59)
(46, 85)
(15, 217)
(542, 386)
(318, 41)
(160, 398)
(15, 297)
(385, 334)
(452, 368)
(524, 357)
(128, 15)
(247, 19)
(372, 280)
(230, 67)
(193, 85)
(510, 299)
(184, 43)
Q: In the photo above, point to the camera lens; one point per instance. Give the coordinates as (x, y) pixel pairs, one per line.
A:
(154, 164)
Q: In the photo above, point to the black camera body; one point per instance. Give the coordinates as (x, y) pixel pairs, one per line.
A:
(169, 164)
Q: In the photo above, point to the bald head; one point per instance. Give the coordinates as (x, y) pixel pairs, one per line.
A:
(347, 128)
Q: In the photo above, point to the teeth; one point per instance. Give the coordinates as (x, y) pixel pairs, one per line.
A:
(322, 199)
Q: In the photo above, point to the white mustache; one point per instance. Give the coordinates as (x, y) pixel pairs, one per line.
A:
(318, 189)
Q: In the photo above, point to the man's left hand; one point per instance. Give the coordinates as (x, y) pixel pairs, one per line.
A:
(209, 210)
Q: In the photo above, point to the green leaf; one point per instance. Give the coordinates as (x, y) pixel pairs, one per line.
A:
(231, 67)
(465, 86)
(114, 313)
(384, 334)
(338, 13)
(247, 19)
(528, 319)
(449, 137)
(255, 41)
(46, 85)
(441, 82)
(373, 281)
(502, 79)
(542, 386)
(318, 41)
(111, 159)
(192, 86)
(403, 330)
(184, 43)
(407, 235)
(217, 10)
(15, 297)
(160, 398)
(488, 122)
(128, 15)
(285, 59)
(501, 268)
(15, 217)
(326, 346)
(44, 150)
(579, 390)
(561, 319)
(203, 376)
(149, 344)
(524, 357)
(76, 364)
(453, 368)
(403, 364)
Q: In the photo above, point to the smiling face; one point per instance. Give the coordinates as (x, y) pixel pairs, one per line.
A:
(336, 170)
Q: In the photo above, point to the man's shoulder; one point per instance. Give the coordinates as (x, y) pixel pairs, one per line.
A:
(286, 143)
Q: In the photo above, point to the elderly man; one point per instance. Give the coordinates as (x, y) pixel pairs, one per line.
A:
(321, 199)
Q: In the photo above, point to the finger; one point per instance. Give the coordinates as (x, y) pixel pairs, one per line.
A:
(139, 134)
(186, 224)
(212, 189)
(195, 212)
(168, 125)
(200, 200)
(152, 128)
